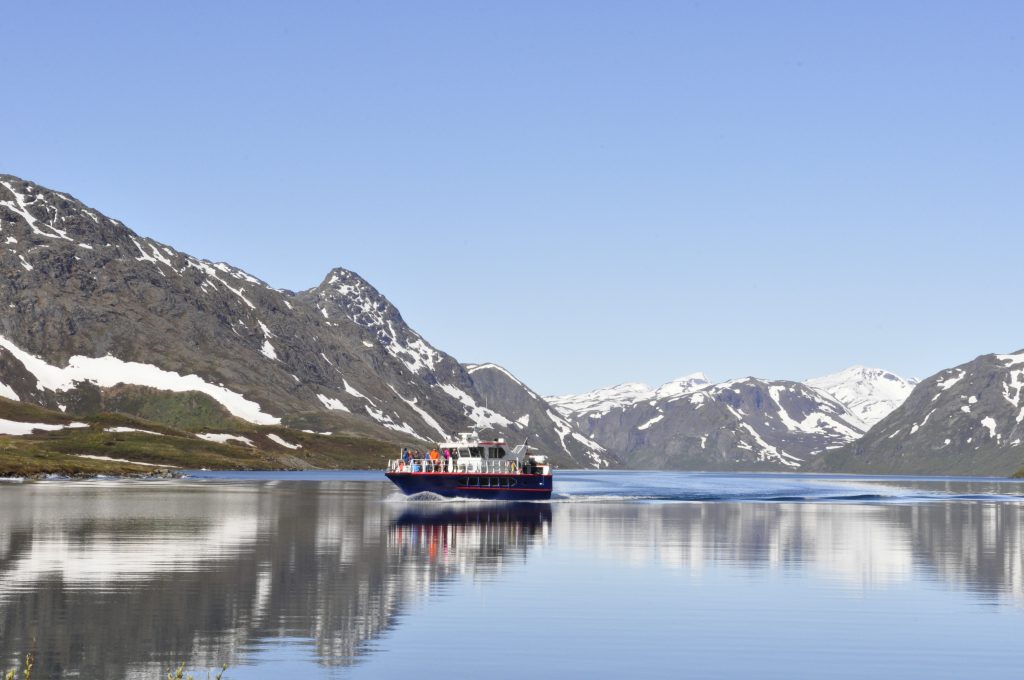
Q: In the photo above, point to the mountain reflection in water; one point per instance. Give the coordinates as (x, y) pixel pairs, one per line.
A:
(125, 579)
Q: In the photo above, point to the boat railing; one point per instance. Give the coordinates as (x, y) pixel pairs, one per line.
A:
(466, 465)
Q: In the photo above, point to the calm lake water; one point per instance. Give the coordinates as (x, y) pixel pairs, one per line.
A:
(660, 575)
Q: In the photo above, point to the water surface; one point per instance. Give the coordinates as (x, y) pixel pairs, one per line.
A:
(668, 575)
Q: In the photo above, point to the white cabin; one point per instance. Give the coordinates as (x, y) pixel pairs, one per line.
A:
(469, 453)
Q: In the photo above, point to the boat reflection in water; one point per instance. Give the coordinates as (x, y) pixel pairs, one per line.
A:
(479, 536)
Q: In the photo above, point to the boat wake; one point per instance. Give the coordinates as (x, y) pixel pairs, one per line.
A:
(668, 487)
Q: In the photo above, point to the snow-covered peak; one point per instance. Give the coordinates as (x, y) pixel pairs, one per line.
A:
(680, 386)
(597, 403)
(869, 393)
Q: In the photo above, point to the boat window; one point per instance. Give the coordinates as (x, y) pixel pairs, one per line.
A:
(514, 482)
(499, 452)
(476, 451)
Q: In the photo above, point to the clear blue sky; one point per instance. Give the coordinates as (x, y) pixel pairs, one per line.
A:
(634, 190)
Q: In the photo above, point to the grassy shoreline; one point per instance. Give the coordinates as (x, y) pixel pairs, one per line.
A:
(114, 444)
(67, 454)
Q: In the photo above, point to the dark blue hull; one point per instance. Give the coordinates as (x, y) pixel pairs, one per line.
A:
(499, 487)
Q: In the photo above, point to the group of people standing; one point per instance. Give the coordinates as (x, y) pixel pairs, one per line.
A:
(436, 461)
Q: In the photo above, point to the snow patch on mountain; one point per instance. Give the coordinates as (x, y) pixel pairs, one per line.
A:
(656, 419)
(427, 418)
(390, 423)
(8, 393)
(278, 440)
(268, 351)
(332, 403)
(109, 371)
(14, 427)
(354, 392)
(481, 416)
(222, 438)
(122, 429)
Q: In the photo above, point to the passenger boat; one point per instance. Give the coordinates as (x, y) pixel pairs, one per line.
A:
(473, 468)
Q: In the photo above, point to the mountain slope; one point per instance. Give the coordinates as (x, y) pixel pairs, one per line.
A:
(963, 420)
(869, 393)
(90, 305)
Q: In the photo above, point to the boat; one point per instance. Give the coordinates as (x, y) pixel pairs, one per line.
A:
(470, 467)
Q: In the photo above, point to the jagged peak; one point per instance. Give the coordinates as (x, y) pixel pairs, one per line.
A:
(357, 296)
(341, 276)
(345, 293)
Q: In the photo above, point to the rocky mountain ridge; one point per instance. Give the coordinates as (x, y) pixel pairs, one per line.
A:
(90, 306)
(748, 423)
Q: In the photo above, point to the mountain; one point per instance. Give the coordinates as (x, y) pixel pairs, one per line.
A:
(964, 420)
(98, 318)
(748, 424)
(869, 393)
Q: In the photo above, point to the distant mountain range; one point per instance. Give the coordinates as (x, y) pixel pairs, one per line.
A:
(749, 423)
(964, 420)
(96, 317)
